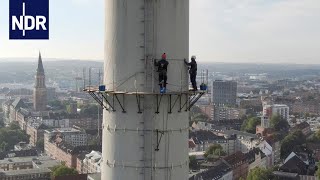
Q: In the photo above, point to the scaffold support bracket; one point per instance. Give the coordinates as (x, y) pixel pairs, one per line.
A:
(159, 137)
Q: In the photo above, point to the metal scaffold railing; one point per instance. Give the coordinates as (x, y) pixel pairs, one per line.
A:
(109, 99)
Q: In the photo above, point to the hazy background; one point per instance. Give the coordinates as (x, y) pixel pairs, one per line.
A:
(256, 31)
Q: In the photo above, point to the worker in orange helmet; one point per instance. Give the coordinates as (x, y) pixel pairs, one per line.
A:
(162, 70)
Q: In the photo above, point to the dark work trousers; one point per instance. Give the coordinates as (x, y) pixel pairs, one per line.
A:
(193, 76)
(163, 77)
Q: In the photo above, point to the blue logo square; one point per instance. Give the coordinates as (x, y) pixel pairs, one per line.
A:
(29, 19)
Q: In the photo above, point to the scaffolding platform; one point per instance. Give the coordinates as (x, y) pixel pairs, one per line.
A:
(108, 99)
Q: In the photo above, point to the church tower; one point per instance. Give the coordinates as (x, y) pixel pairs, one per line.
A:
(40, 91)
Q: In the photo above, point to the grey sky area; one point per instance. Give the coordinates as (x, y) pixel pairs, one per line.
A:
(254, 31)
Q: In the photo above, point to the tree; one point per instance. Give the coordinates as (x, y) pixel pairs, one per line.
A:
(94, 142)
(63, 170)
(318, 171)
(14, 126)
(196, 114)
(40, 144)
(294, 121)
(90, 110)
(214, 150)
(292, 142)
(278, 123)
(259, 174)
(193, 163)
(318, 134)
(10, 136)
(249, 125)
(56, 104)
(1, 122)
(315, 138)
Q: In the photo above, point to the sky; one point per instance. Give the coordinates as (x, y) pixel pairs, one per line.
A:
(254, 31)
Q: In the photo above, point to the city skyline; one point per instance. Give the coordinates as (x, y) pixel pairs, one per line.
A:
(245, 31)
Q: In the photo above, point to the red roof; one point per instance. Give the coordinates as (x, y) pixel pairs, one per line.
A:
(191, 144)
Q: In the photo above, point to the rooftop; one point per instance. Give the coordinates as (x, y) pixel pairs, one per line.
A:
(218, 170)
(43, 159)
(18, 103)
(203, 135)
(24, 171)
(294, 164)
(241, 133)
(302, 125)
(285, 174)
(235, 159)
(96, 176)
(41, 165)
(63, 130)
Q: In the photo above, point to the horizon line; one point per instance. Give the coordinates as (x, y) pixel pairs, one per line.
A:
(28, 59)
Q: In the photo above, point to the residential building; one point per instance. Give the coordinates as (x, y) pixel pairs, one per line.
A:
(72, 177)
(207, 109)
(19, 153)
(254, 102)
(203, 139)
(14, 107)
(74, 137)
(85, 123)
(260, 159)
(27, 168)
(221, 113)
(244, 141)
(16, 92)
(268, 150)
(230, 140)
(304, 127)
(286, 175)
(303, 107)
(95, 176)
(274, 109)
(36, 132)
(264, 132)
(224, 93)
(239, 165)
(22, 115)
(219, 170)
(294, 164)
(22, 146)
(192, 145)
(91, 163)
(315, 148)
(64, 152)
(6, 110)
(276, 149)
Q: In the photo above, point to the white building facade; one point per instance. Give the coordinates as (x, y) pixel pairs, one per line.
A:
(275, 109)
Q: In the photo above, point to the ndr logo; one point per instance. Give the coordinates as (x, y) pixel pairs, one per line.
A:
(29, 19)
